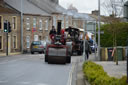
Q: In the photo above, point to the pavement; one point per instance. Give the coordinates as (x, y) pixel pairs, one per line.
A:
(110, 67)
(4, 54)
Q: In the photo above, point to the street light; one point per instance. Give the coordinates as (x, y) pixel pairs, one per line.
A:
(99, 30)
(21, 25)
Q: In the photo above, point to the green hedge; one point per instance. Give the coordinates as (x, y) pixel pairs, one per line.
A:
(95, 74)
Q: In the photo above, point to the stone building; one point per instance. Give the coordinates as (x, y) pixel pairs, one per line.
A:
(36, 22)
(38, 18)
(13, 16)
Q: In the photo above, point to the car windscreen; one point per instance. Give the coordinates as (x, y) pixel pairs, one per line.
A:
(36, 43)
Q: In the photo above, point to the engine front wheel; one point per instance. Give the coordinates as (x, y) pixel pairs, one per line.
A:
(68, 60)
(46, 58)
(32, 52)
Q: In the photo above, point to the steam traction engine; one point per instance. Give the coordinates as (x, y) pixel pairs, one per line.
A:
(58, 51)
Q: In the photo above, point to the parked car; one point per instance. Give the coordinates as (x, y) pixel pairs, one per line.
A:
(93, 48)
(37, 46)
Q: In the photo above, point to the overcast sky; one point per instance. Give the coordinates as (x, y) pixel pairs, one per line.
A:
(84, 6)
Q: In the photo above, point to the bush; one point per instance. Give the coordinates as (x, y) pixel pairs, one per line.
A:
(95, 74)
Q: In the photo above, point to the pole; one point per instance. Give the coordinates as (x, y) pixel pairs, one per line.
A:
(95, 39)
(21, 26)
(84, 58)
(7, 39)
(127, 59)
(99, 30)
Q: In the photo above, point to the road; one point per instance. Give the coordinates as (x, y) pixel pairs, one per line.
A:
(27, 69)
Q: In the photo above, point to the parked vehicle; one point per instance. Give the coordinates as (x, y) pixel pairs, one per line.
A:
(37, 46)
(93, 48)
(77, 44)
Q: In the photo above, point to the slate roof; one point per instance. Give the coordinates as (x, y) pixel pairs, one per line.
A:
(77, 15)
(48, 6)
(6, 9)
(28, 8)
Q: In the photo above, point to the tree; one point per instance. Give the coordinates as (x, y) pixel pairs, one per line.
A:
(113, 7)
(115, 34)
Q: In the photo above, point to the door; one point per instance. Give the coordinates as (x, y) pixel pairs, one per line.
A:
(35, 37)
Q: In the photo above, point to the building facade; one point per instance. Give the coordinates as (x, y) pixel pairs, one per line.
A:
(9, 14)
(35, 28)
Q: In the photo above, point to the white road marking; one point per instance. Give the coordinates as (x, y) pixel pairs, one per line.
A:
(10, 61)
(71, 74)
(41, 84)
(24, 82)
(3, 81)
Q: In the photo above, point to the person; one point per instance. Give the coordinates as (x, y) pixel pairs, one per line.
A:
(87, 48)
(63, 39)
(52, 33)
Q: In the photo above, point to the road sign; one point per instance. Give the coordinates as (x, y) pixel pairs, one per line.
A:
(33, 29)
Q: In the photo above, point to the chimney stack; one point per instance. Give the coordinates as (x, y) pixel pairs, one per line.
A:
(95, 12)
(55, 1)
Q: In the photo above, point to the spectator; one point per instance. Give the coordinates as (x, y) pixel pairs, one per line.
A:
(87, 49)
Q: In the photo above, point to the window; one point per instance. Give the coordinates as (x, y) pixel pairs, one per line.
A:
(54, 21)
(40, 24)
(1, 42)
(14, 22)
(46, 25)
(35, 37)
(67, 25)
(62, 25)
(34, 22)
(27, 23)
(74, 25)
(28, 41)
(1, 22)
(14, 42)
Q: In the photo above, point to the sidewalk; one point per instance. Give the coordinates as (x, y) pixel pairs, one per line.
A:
(4, 54)
(109, 66)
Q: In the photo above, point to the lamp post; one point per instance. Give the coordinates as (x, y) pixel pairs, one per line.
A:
(99, 30)
(84, 58)
(22, 26)
(127, 59)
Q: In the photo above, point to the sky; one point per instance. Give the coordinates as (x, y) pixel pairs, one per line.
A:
(83, 6)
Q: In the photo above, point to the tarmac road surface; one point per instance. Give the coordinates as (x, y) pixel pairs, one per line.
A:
(30, 69)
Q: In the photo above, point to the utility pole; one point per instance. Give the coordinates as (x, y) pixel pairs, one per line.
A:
(99, 30)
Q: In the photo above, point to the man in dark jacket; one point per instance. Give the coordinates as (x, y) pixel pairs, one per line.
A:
(52, 33)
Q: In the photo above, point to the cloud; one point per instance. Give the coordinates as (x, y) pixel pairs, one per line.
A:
(85, 6)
